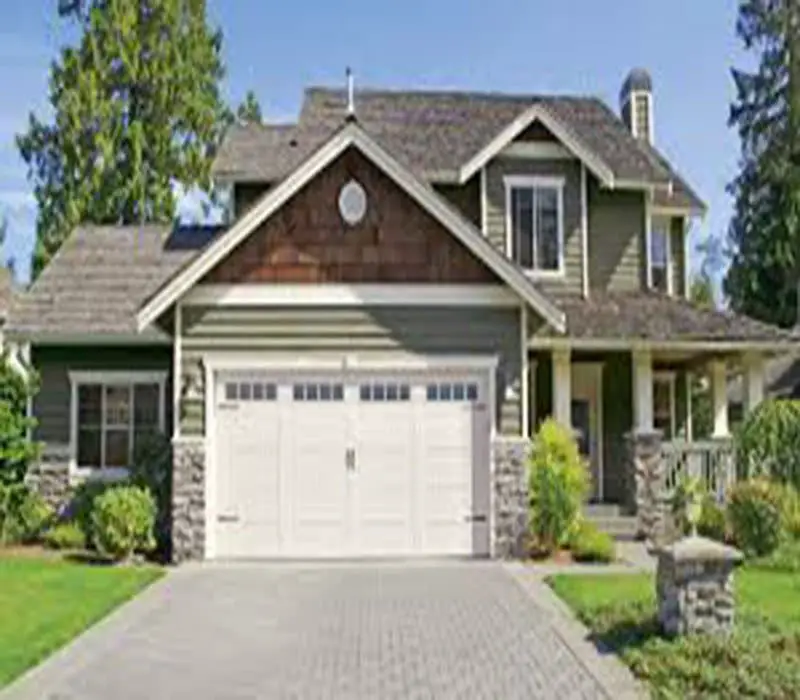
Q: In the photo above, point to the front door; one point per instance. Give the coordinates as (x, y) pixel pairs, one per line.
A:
(587, 392)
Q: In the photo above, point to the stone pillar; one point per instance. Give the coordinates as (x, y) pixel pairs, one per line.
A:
(188, 499)
(694, 587)
(509, 533)
(644, 482)
(50, 476)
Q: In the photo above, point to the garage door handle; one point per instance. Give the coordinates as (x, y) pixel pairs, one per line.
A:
(479, 518)
(227, 518)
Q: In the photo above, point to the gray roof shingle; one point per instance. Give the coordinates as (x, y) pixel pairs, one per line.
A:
(436, 133)
(655, 317)
(99, 278)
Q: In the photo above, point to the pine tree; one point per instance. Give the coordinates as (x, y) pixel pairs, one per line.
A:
(136, 107)
(249, 111)
(764, 277)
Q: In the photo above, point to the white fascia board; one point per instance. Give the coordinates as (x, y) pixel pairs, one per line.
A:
(351, 295)
(422, 193)
(766, 346)
(562, 134)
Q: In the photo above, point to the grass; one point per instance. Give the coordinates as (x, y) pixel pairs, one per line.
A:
(44, 603)
(760, 660)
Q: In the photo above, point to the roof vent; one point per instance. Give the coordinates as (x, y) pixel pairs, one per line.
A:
(636, 104)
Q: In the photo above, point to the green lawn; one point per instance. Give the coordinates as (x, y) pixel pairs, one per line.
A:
(761, 659)
(46, 602)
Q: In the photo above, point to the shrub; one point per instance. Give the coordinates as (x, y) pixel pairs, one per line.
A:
(712, 523)
(68, 535)
(768, 442)
(559, 482)
(23, 514)
(16, 450)
(152, 469)
(122, 522)
(589, 544)
(755, 514)
(785, 558)
(790, 512)
(81, 505)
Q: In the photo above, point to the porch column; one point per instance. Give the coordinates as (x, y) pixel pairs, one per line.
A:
(642, 391)
(562, 386)
(753, 378)
(719, 393)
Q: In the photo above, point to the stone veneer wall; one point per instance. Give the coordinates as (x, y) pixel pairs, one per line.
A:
(50, 476)
(510, 492)
(644, 471)
(188, 499)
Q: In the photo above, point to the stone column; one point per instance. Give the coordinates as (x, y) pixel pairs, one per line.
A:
(509, 533)
(188, 499)
(694, 587)
(50, 476)
(644, 483)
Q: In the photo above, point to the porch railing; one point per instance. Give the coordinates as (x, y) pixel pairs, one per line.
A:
(712, 461)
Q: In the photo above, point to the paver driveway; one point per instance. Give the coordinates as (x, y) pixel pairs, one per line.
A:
(384, 631)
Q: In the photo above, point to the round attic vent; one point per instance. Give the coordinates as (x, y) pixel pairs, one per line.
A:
(352, 202)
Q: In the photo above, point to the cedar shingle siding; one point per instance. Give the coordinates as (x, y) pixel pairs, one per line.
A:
(307, 241)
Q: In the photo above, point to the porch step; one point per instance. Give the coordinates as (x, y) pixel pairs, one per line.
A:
(602, 510)
(621, 527)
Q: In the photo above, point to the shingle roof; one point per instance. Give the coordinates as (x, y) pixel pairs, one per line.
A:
(655, 317)
(100, 276)
(436, 133)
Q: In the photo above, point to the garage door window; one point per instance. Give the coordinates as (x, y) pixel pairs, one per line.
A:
(384, 392)
(112, 416)
(318, 391)
(452, 391)
(250, 391)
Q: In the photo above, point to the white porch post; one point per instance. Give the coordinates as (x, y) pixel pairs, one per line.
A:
(753, 364)
(562, 387)
(719, 392)
(642, 391)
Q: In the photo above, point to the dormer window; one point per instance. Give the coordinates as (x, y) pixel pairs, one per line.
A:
(660, 257)
(535, 223)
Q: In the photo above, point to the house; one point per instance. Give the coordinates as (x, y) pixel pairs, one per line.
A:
(409, 284)
(781, 380)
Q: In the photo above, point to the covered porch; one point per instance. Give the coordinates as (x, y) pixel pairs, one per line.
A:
(621, 401)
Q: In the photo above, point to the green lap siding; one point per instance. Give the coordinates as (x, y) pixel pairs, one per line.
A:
(326, 332)
(51, 406)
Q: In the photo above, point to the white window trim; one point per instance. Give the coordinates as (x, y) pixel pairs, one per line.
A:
(651, 217)
(558, 183)
(77, 378)
(669, 377)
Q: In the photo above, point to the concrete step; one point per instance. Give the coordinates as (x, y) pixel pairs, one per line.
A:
(602, 510)
(617, 526)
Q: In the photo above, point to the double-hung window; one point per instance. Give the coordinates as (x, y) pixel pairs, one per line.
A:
(112, 413)
(660, 255)
(535, 222)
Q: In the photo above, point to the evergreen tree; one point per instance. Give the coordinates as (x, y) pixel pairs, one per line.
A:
(764, 276)
(249, 111)
(136, 107)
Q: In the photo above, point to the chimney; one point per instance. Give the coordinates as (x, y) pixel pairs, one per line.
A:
(351, 99)
(636, 104)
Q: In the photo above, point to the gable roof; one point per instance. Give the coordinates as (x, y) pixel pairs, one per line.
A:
(351, 135)
(98, 279)
(436, 133)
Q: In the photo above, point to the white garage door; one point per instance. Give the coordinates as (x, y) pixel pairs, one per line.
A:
(362, 464)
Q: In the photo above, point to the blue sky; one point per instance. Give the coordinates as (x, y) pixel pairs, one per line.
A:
(575, 46)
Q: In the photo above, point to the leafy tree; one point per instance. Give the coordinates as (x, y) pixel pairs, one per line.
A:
(136, 108)
(764, 277)
(249, 111)
(16, 450)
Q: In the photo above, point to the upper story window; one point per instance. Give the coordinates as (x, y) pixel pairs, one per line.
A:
(660, 273)
(535, 222)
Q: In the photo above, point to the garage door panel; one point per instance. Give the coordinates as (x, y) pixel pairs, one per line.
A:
(384, 448)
